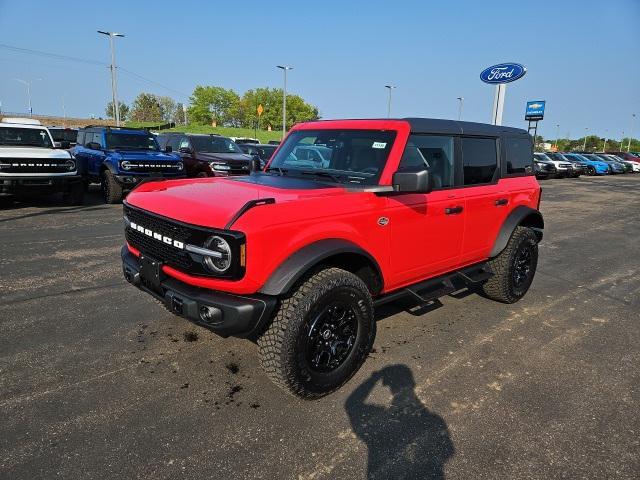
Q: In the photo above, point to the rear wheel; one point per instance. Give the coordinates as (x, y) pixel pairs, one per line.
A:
(321, 334)
(111, 189)
(514, 268)
(591, 171)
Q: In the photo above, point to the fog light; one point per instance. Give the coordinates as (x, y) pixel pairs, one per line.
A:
(210, 314)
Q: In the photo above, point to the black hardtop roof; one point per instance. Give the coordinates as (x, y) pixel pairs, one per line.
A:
(437, 125)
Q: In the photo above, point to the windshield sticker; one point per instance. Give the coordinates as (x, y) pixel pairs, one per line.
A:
(379, 145)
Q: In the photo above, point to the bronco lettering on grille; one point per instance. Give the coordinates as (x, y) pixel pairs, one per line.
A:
(157, 236)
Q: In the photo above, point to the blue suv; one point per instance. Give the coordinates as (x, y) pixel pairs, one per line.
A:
(594, 167)
(119, 158)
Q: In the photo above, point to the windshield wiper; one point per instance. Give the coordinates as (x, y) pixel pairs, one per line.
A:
(322, 173)
(281, 171)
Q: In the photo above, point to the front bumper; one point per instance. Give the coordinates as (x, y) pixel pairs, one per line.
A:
(223, 313)
(130, 181)
(18, 185)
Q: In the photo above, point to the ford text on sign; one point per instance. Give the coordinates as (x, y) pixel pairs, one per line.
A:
(503, 73)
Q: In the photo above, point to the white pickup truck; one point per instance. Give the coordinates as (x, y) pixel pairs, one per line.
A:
(30, 164)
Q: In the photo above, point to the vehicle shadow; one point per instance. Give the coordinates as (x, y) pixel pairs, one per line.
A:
(405, 439)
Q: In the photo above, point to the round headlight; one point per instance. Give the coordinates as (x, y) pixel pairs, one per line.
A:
(179, 165)
(126, 165)
(70, 165)
(223, 262)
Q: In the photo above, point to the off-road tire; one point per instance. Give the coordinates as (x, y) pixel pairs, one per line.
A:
(75, 195)
(111, 189)
(501, 286)
(281, 346)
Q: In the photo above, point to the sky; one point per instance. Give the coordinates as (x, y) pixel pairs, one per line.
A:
(582, 57)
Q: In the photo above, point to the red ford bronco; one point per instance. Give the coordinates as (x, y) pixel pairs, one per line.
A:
(347, 215)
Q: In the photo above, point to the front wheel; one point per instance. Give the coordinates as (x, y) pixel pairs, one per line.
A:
(321, 334)
(111, 189)
(514, 268)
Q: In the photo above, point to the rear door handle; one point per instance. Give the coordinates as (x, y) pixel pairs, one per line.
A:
(453, 210)
(501, 201)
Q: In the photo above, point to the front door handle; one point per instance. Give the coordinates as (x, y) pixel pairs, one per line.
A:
(501, 201)
(453, 210)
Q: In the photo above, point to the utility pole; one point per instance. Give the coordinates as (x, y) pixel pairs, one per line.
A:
(284, 68)
(460, 104)
(390, 87)
(633, 117)
(114, 88)
(28, 83)
(584, 145)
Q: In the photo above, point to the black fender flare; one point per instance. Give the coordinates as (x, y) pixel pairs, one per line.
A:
(520, 215)
(296, 265)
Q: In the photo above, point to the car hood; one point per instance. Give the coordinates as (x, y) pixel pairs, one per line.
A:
(32, 152)
(212, 202)
(223, 157)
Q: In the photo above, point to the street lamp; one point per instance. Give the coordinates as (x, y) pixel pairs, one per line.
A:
(633, 117)
(584, 146)
(284, 68)
(606, 134)
(28, 85)
(390, 87)
(114, 93)
(557, 134)
(460, 104)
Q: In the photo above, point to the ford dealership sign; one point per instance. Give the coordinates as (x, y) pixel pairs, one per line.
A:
(503, 73)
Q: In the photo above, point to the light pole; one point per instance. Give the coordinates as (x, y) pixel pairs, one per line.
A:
(460, 104)
(604, 147)
(284, 68)
(557, 134)
(584, 145)
(633, 117)
(64, 113)
(28, 85)
(114, 92)
(390, 87)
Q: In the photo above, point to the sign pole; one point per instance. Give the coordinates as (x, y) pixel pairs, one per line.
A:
(498, 104)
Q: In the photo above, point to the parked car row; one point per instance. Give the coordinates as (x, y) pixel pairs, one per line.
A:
(572, 165)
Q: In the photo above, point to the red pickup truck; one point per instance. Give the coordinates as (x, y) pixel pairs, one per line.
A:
(347, 215)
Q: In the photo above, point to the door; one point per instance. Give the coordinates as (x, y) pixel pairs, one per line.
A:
(427, 229)
(487, 202)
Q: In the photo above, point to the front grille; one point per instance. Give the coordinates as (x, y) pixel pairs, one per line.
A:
(24, 165)
(187, 234)
(144, 166)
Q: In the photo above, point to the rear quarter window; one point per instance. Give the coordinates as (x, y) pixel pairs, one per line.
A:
(518, 154)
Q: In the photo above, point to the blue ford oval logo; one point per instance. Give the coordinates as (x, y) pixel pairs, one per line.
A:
(503, 73)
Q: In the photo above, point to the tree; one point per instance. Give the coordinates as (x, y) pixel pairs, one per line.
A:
(124, 110)
(271, 100)
(178, 114)
(167, 108)
(146, 108)
(210, 103)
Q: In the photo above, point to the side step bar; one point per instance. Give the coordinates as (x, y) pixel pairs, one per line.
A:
(437, 287)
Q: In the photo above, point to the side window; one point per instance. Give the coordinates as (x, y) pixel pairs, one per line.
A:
(433, 153)
(174, 142)
(518, 153)
(80, 139)
(479, 159)
(97, 138)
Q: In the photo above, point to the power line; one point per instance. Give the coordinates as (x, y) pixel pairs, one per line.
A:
(89, 62)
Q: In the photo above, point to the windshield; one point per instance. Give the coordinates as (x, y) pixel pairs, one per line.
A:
(131, 141)
(25, 137)
(343, 156)
(64, 135)
(211, 144)
(542, 156)
(266, 152)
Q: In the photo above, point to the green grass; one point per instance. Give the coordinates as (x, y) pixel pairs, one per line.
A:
(262, 135)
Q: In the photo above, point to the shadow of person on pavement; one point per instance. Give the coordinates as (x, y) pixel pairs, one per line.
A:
(404, 440)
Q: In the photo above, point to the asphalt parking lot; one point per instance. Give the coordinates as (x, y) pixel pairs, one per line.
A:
(98, 381)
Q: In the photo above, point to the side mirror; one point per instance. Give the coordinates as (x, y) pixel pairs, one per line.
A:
(65, 144)
(186, 150)
(94, 146)
(255, 165)
(416, 181)
(168, 149)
